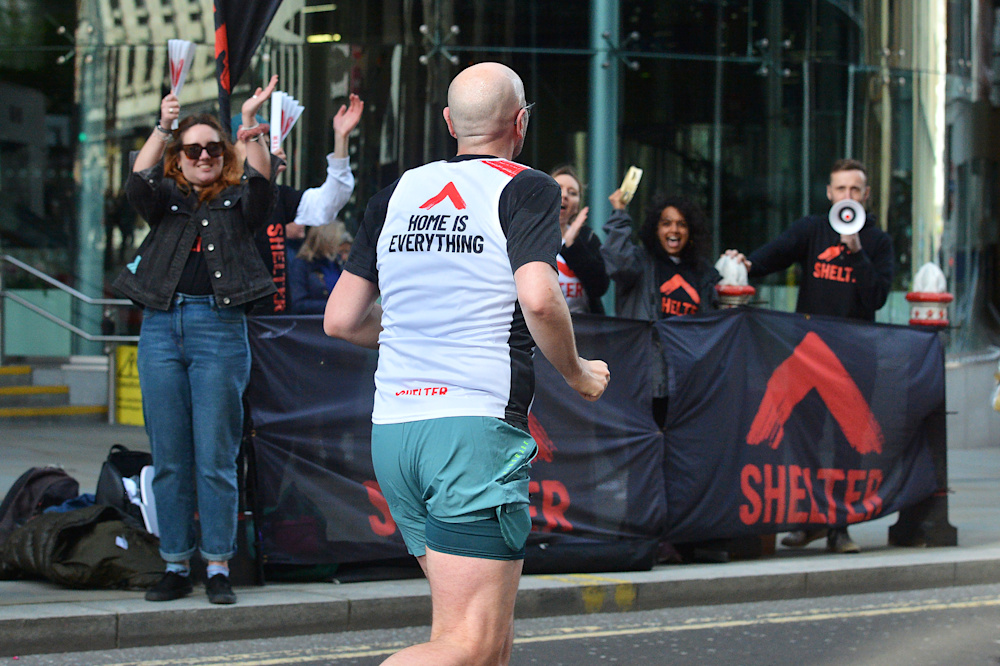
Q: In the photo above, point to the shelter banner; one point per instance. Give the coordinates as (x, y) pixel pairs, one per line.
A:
(778, 421)
(310, 401)
(597, 478)
(597, 473)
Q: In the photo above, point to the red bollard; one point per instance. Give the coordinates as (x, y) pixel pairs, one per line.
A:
(734, 295)
(929, 308)
(926, 523)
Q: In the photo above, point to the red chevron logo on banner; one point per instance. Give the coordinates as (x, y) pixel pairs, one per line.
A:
(813, 365)
(546, 448)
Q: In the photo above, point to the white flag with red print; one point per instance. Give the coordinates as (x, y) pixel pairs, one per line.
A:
(285, 111)
(181, 55)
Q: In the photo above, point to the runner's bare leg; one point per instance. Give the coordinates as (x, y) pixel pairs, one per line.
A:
(473, 612)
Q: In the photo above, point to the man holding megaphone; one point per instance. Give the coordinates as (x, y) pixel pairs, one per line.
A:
(846, 266)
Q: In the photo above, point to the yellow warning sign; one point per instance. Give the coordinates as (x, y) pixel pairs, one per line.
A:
(128, 405)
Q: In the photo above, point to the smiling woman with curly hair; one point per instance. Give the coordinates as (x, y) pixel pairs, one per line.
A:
(667, 274)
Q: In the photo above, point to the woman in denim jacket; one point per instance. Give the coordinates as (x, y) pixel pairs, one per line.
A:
(195, 275)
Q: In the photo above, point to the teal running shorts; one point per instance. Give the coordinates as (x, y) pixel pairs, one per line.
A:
(458, 484)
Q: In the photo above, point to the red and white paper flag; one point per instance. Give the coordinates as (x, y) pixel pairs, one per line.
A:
(181, 54)
(285, 111)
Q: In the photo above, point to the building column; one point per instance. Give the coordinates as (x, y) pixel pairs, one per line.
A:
(92, 173)
(602, 172)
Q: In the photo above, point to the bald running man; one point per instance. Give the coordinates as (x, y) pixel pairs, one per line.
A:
(463, 255)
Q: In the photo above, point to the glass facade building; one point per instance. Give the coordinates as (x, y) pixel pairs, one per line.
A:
(741, 104)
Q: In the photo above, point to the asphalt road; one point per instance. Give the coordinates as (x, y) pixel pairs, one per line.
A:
(956, 625)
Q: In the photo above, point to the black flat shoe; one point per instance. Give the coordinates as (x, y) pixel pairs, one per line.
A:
(219, 590)
(171, 586)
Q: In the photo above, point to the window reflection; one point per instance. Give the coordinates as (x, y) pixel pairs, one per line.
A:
(741, 103)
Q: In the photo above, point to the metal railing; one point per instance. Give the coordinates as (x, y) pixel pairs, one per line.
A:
(111, 341)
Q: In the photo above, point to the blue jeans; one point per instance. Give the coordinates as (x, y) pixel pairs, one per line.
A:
(194, 364)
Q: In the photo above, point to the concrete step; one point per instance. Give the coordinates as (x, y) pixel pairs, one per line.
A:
(15, 375)
(34, 396)
(53, 390)
(58, 412)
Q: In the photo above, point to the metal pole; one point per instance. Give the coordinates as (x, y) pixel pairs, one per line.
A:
(111, 350)
(852, 72)
(777, 203)
(92, 157)
(885, 154)
(602, 159)
(3, 323)
(717, 140)
(806, 134)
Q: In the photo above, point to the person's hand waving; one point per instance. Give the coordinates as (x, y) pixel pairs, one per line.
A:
(573, 230)
(345, 122)
(252, 105)
(348, 116)
(257, 154)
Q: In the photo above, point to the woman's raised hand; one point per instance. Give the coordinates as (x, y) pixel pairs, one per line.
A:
(573, 230)
(253, 104)
(616, 200)
(170, 110)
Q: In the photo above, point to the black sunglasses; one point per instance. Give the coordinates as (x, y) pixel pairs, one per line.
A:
(193, 150)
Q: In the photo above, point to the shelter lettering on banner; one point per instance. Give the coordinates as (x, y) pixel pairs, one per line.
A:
(597, 471)
(778, 421)
(596, 479)
(775, 421)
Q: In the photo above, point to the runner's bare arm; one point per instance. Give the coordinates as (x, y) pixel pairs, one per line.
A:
(549, 322)
(352, 313)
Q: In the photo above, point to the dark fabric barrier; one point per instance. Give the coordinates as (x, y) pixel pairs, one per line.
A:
(597, 491)
(780, 420)
(605, 487)
(310, 398)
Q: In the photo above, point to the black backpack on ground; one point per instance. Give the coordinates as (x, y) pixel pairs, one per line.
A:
(121, 463)
(33, 492)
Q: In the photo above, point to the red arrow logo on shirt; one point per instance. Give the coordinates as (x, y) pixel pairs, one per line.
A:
(450, 192)
(677, 282)
(831, 253)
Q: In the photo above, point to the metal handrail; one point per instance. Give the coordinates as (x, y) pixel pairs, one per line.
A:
(79, 295)
(111, 340)
(70, 327)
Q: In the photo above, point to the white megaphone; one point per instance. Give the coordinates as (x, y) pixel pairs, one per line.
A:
(847, 217)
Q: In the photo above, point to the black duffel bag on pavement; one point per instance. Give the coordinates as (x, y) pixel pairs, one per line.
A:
(87, 548)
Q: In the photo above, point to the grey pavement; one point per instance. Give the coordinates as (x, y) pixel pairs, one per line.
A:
(40, 617)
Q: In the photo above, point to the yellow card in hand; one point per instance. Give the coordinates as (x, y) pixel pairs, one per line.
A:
(631, 183)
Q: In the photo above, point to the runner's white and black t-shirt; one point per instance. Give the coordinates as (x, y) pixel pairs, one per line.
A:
(442, 244)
